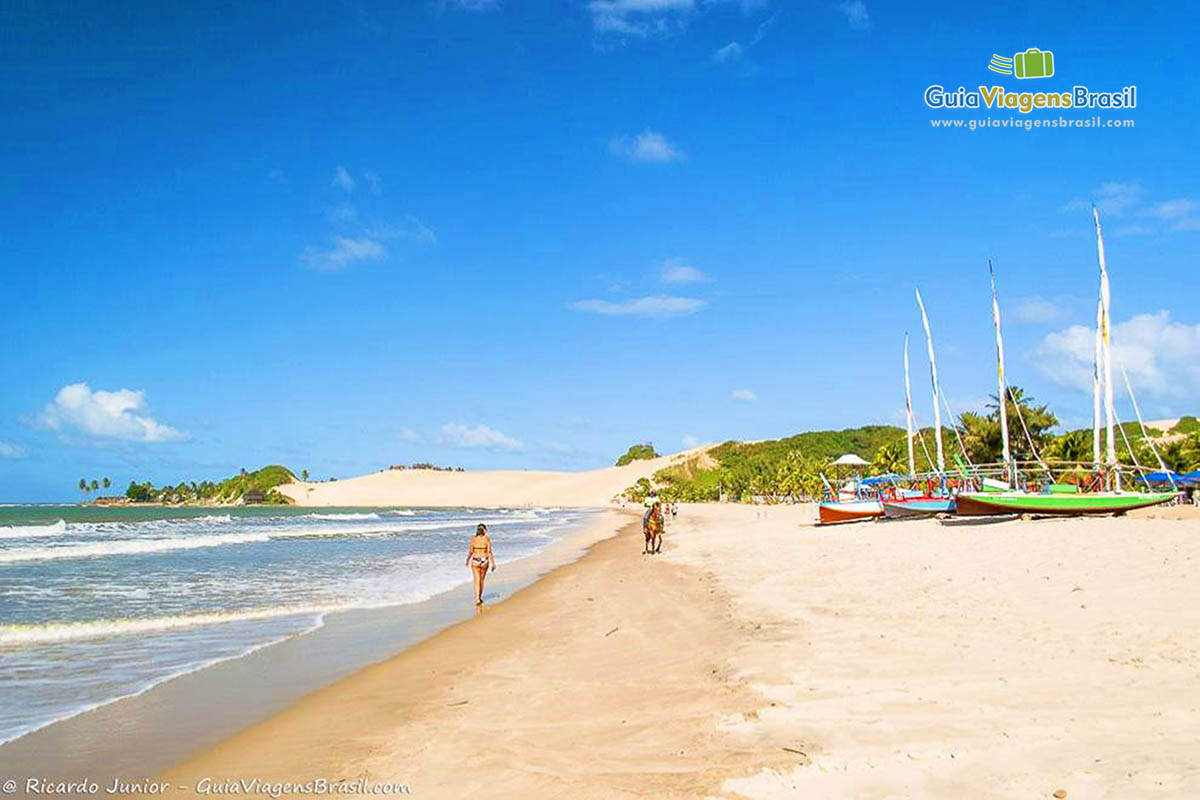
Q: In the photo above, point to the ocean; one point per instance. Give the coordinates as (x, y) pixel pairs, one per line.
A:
(100, 603)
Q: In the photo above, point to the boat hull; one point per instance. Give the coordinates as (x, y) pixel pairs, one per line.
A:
(917, 507)
(989, 503)
(854, 511)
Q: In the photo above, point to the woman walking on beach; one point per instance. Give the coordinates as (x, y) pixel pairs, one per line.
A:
(479, 559)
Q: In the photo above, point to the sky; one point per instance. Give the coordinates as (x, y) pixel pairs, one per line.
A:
(500, 234)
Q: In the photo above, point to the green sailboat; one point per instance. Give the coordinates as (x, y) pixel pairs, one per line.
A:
(1057, 502)
(1066, 499)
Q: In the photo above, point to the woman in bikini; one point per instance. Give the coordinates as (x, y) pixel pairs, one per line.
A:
(479, 558)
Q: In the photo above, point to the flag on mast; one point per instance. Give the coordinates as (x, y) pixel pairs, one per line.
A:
(1096, 385)
(1110, 453)
(1003, 395)
(912, 463)
(937, 408)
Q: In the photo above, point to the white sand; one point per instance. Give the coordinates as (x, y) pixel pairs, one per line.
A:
(762, 657)
(1003, 660)
(595, 488)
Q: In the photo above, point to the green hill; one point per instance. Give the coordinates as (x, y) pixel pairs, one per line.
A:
(259, 485)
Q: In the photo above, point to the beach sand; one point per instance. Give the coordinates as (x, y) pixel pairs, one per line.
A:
(759, 656)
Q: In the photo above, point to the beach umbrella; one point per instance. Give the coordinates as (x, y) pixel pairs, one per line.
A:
(850, 460)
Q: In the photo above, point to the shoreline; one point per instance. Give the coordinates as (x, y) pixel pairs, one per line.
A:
(760, 656)
(181, 715)
(612, 611)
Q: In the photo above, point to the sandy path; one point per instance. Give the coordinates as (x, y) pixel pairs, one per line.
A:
(607, 678)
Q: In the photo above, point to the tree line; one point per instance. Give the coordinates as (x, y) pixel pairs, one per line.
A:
(791, 468)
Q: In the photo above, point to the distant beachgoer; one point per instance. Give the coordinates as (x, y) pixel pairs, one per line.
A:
(674, 510)
(479, 558)
(652, 529)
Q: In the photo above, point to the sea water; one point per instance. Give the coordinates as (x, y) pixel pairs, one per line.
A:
(102, 603)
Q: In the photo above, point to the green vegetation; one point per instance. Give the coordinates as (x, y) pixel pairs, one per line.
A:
(1186, 425)
(258, 484)
(791, 468)
(781, 468)
(638, 452)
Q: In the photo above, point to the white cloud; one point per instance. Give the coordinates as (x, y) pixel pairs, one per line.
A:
(10, 450)
(856, 13)
(646, 147)
(343, 251)
(1162, 356)
(480, 436)
(408, 435)
(343, 213)
(342, 179)
(470, 5)
(674, 271)
(1117, 199)
(657, 306)
(374, 181)
(1036, 310)
(411, 228)
(690, 441)
(1173, 209)
(638, 17)
(105, 415)
(745, 395)
(730, 52)
(1112, 198)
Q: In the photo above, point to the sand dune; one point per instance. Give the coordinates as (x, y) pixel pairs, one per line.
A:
(594, 488)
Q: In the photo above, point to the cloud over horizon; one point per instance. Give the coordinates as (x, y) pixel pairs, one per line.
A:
(655, 306)
(456, 434)
(119, 415)
(674, 272)
(1161, 356)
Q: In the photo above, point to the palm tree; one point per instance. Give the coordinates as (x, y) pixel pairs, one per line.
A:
(982, 435)
(106, 483)
(1071, 446)
(890, 459)
(304, 475)
(83, 486)
(95, 485)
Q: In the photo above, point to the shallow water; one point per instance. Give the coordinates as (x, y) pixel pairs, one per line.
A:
(102, 603)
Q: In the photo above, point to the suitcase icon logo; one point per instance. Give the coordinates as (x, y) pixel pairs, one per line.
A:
(1033, 63)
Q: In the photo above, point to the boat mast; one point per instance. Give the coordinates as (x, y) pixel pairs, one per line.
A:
(1003, 395)
(1145, 433)
(912, 463)
(1096, 457)
(937, 408)
(1110, 455)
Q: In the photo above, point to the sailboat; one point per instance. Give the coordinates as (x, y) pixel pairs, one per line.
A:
(1066, 499)
(905, 505)
(854, 502)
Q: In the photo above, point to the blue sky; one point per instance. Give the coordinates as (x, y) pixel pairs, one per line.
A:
(497, 234)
